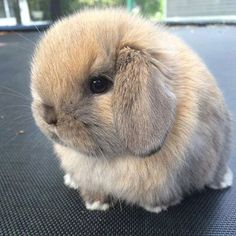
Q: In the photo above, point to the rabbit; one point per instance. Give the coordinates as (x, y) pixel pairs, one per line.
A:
(133, 113)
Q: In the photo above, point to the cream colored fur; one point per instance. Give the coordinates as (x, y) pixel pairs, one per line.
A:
(196, 144)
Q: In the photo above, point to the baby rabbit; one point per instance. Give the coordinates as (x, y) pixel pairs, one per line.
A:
(133, 113)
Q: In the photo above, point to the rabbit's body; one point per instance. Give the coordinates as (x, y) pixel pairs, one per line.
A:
(162, 131)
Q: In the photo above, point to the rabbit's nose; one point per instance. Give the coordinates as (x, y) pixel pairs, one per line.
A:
(49, 114)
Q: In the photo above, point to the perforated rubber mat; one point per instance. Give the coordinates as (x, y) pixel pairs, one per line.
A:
(33, 199)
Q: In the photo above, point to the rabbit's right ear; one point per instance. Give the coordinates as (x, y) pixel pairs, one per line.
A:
(143, 105)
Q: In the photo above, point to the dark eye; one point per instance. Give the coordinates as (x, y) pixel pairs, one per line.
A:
(99, 84)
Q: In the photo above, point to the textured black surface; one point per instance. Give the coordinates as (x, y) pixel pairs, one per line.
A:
(33, 199)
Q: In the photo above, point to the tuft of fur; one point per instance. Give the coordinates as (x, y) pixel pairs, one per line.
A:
(163, 129)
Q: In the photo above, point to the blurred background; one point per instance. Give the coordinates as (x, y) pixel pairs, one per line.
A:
(39, 12)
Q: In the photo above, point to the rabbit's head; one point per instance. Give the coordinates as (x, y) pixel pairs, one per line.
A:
(99, 87)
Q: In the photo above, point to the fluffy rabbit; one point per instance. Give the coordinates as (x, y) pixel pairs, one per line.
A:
(133, 113)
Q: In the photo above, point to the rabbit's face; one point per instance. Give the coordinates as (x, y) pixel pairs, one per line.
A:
(94, 93)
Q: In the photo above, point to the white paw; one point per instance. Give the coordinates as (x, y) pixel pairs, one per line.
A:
(97, 206)
(68, 181)
(156, 210)
(227, 180)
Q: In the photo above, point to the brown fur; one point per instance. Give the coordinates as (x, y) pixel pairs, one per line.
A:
(163, 96)
(145, 108)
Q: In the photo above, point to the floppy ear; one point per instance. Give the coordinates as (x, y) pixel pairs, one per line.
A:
(143, 105)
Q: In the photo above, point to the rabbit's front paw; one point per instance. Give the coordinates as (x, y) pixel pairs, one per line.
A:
(226, 181)
(95, 201)
(69, 182)
(97, 205)
(156, 209)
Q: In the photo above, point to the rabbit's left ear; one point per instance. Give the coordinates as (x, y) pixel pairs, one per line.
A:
(143, 105)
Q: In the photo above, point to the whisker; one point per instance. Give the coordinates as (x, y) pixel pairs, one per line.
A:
(27, 115)
(27, 50)
(30, 41)
(36, 27)
(32, 136)
(15, 106)
(9, 141)
(16, 131)
(14, 92)
(15, 95)
(5, 115)
(44, 141)
(40, 140)
(19, 117)
(19, 123)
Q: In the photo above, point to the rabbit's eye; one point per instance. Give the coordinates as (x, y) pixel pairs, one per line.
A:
(99, 84)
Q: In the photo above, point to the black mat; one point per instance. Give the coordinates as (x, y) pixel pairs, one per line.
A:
(33, 199)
